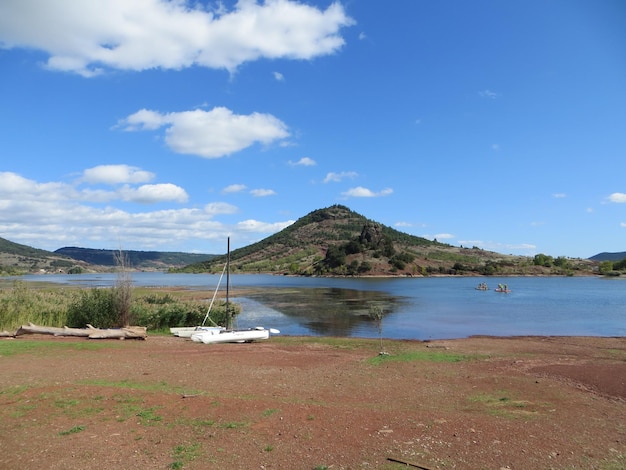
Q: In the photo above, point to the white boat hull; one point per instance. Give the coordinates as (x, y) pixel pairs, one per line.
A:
(231, 336)
(188, 331)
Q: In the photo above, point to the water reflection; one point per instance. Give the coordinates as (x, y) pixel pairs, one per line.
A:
(329, 311)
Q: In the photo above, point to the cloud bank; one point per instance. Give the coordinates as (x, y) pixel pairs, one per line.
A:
(88, 37)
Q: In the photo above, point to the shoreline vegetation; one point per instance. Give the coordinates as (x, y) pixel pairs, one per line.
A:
(54, 305)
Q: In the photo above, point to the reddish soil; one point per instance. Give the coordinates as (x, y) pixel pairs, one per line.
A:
(294, 403)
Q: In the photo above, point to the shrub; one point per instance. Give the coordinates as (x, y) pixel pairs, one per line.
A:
(97, 307)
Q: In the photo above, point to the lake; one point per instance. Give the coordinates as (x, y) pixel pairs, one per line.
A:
(413, 308)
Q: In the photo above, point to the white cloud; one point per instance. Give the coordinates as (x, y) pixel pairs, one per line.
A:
(279, 77)
(622, 224)
(559, 195)
(304, 161)
(217, 208)
(234, 188)
(262, 192)
(489, 94)
(86, 37)
(210, 134)
(444, 236)
(263, 227)
(403, 224)
(360, 191)
(14, 188)
(116, 174)
(52, 215)
(619, 198)
(338, 177)
(152, 193)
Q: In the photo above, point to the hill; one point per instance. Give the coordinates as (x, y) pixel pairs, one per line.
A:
(16, 259)
(337, 241)
(137, 259)
(605, 256)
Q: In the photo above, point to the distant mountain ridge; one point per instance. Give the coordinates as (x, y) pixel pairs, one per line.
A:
(606, 256)
(137, 259)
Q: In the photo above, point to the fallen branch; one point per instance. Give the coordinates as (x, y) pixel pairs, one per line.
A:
(131, 332)
(408, 464)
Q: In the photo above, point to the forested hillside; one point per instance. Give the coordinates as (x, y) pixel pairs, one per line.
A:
(137, 259)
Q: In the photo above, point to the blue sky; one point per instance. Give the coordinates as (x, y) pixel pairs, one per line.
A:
(169, 126)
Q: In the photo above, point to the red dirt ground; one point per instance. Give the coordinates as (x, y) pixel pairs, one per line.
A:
(298, 403)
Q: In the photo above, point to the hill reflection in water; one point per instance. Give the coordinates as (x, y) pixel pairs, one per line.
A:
(323, 311)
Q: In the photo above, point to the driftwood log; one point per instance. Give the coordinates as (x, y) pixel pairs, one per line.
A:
(129, 332)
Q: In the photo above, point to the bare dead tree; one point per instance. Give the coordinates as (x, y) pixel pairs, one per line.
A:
(122, 292)
(376, 313)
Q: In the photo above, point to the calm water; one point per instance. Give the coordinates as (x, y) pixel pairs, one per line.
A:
(414, 308)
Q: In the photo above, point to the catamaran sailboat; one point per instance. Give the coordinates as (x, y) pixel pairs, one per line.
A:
(187, 331)
(228, 334)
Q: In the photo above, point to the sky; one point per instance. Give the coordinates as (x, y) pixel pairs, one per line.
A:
(173, 125)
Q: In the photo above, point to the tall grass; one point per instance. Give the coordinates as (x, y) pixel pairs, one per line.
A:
(75, 307)
(20, 305)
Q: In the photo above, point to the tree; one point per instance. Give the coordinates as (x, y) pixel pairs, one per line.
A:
(543, 260)
(122, 292)
(335, 257)
(605, 267)
(620, 265)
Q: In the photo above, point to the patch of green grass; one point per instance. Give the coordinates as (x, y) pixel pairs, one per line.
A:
(184, 454)
(270, 412)
(127, 409)
(427, 355)
(65, 403)
(14, 390)
(617, 353)
(10, 348)
(503, 405)
(21, 410)
(196, 423)
(268, 448)
(145, 386)
(73, 430)
(148, 417)
(614, 463)
(234, 425)
(126, 399)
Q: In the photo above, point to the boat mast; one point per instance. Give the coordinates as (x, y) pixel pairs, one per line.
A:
(229, 317)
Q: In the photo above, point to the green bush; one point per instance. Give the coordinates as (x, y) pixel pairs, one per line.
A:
(96, 307)
(161, 312)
